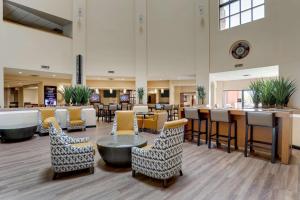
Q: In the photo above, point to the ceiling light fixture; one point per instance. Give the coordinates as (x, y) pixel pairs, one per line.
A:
(53, 75)
(162, 91)
(110, 91)
(20, 72)
(155, 90)
(124, 91)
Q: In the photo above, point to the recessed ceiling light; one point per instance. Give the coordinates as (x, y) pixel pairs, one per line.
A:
(246, 75)
(20, 72)
(111, 72)
(53, 75)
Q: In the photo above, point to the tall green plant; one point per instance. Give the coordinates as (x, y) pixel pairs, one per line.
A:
(140, 92)
(201, 93)
(67, 92)
(283, 90)
(267, 97)
(86, 94)
(256, 88)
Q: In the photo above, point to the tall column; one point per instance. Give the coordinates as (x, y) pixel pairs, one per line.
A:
(79, 37)
(1, 87)
(202, 46)
(141, 46)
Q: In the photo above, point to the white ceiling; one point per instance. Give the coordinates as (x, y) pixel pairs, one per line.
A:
(30, 17)
(253, 73)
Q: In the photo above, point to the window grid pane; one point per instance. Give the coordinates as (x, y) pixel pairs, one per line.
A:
(236, 12)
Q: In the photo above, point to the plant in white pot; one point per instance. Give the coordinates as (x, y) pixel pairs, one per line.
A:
(201, 94)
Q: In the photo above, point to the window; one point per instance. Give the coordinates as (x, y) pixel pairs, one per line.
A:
(236, 12)
(237, 99)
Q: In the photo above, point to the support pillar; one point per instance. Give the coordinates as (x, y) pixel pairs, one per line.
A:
(141, 47)
(79, 38)
(202, 46)
(1, 87)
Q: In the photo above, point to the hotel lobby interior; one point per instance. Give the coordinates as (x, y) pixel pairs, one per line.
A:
(150, 99)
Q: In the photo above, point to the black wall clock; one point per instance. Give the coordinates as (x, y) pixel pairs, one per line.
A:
(240, 49)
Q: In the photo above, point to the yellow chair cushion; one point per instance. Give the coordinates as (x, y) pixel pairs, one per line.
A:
(147, 147)
(85, 144)
(74, 113)
(125, 120)
(76, 123)
(54, 122)
(125, 132)
(46, 113)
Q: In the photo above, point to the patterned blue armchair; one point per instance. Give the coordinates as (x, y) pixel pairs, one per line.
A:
(68, 153)
(162, 160)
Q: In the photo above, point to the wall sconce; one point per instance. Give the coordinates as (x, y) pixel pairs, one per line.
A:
(110, 91)
(97, 91)
(162, 91)
(155, 90)
(124, 91)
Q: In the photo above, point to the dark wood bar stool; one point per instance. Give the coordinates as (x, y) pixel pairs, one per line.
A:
(261, 119)
(101, 111)
(193, 114)
(216, 116)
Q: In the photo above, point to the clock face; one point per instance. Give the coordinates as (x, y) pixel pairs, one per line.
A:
(240, 49)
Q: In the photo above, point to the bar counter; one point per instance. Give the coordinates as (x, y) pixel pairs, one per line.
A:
(284, 117)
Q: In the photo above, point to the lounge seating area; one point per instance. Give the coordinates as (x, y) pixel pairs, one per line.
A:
(150, 100)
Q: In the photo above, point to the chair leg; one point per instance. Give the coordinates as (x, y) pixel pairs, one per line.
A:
(199, 131)
(181, 174)
(55, 175)
(246, 142)
(251, 138)
(133, 173)
(217, 135)
(236, 137)
(209, 135)
(206, 130)
(165, 183)
(229, 138)
(92, 170)
(274, 139)
(192, 130)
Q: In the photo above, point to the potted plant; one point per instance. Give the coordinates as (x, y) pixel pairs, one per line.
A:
(283, 89)
(86, 94)
(255, 87)
(140, 92)
(201, 94)
(67, 92)
(267, 98)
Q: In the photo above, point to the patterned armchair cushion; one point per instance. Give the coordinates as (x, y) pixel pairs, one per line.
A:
(68, 153)
(162, 160)
(125, 122)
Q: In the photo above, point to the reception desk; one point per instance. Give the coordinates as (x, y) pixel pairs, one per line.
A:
(283, 116)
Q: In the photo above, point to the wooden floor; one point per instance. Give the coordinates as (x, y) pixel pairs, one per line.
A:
(25, 173)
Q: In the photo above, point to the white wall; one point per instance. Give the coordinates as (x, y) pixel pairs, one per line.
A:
(30, 95)
(171, 38)
(60, 8)
(110, 37)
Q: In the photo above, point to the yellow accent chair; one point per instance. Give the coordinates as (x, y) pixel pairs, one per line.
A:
(156, 122)
(75, 120)
(125, 123)
(69, 153)
(43, 124)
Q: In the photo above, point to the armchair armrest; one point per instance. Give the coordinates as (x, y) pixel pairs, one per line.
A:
(73, 140)
(86, 148)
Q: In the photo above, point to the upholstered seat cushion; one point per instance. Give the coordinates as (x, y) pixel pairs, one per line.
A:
(77, 123)
(53, 121)
(125, 132)
(75, 114)
(85, 144)
(45, 114)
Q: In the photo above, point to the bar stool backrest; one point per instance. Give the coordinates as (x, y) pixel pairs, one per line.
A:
(113, 107)
(191, 113)
(168, 107)
(100, 106)
(266, 119)
(176, 107)
(218, 115)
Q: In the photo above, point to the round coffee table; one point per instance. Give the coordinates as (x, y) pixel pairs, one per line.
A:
(115, 150)
(17, 132)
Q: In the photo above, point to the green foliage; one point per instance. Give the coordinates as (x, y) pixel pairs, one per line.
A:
(272, 92)
(140, 92)
(255, 87)
(283, 90)
(67, 92)
(201, 93)
(79, 95)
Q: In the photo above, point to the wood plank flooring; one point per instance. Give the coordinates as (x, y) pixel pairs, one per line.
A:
(25, 173)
